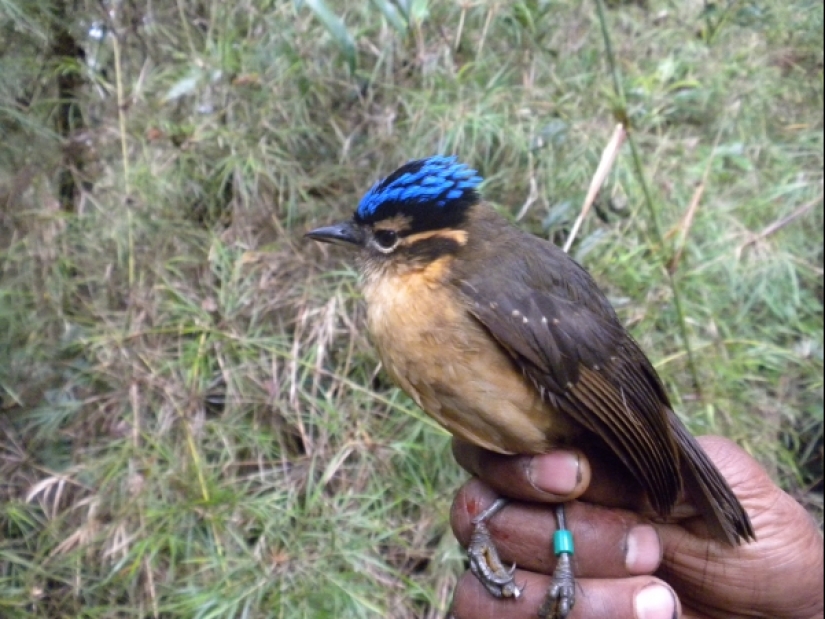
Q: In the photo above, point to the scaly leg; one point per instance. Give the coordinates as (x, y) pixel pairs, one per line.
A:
(562, 592)
(484, 560)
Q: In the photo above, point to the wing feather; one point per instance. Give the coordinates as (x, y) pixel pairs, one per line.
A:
(577, 354)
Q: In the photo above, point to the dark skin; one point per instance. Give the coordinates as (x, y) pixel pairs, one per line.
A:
(621, 552)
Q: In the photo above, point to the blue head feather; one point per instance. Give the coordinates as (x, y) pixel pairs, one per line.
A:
(421, 188)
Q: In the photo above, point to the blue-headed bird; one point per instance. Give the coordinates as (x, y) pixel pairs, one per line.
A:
(509, 344)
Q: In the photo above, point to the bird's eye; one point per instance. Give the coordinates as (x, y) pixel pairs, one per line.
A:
(386, 239)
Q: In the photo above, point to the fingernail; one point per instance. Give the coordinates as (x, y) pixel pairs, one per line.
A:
(655, 602)
(558, 472)
(643, 552)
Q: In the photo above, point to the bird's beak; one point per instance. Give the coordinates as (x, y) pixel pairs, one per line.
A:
(344, 233)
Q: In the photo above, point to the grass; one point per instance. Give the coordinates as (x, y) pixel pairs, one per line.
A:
(193, 422)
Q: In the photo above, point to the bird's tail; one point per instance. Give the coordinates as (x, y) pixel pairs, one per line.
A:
(724, 515)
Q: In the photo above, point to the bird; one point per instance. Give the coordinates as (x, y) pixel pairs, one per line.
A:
(509, 344)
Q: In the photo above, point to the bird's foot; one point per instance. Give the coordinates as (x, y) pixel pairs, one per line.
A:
(485, 562)
(562, 592)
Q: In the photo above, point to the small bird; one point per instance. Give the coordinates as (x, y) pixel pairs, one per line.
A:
(509, 344)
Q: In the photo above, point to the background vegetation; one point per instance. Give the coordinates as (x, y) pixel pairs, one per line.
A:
(193, 423)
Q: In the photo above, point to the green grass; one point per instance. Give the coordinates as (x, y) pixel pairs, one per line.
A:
(193, 423)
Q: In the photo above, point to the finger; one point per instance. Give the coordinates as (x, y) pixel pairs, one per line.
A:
(589, 472)
(564, 474)
(609, 543)
(641, 597)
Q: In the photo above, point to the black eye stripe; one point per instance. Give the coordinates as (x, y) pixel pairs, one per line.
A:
(431, 248)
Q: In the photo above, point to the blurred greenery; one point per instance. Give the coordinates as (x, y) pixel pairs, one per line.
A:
(193, 422)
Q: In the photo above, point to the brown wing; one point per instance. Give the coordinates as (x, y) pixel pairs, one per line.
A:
(567, 340)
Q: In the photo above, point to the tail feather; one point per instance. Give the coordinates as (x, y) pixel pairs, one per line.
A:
(723, 513)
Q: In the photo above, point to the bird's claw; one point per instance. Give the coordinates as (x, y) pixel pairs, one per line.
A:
(562, 592)
(487, 566)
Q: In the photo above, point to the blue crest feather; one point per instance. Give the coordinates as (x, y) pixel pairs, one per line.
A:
(432, 184)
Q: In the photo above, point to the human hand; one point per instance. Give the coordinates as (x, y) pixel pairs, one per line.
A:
(628, 565)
